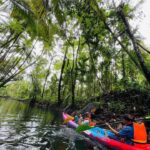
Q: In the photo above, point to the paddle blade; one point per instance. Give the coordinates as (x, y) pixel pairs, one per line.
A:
(147, 117)
(81, 128)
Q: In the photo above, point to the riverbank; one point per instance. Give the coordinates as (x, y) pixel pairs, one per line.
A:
(129, 101)
(120, 102)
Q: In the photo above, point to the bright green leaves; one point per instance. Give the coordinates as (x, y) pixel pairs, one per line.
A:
(57, 65)
(58, 12)
(16, 26)
(39, 70)
(94, 5)
(28, 43)
(25, 17)
(35, 20)
(100, 12)
(88, 23)
(126, 9)
(95, 60)
(37, 8)
(19, 89)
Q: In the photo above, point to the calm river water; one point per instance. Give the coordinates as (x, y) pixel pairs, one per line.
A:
(26, 128)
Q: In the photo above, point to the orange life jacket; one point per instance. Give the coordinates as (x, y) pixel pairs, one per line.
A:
(92, 124)
(140, 134)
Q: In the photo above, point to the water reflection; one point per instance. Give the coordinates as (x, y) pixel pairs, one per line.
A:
(26, 128)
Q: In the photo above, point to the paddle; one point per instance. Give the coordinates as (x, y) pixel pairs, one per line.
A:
(147, 117)
(104, 124)
(82, 128)
(117, 122)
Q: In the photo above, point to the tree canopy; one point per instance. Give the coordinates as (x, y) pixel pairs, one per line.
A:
(65, 51)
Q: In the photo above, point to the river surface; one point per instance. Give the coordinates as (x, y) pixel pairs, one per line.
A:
(26, 128)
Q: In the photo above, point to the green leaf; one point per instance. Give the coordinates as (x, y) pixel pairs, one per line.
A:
(57, 65)
(15, 25)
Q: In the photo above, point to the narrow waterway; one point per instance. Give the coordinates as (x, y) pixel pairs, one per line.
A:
(26, 128)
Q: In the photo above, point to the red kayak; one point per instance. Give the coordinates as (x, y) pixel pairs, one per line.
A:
(99, 135)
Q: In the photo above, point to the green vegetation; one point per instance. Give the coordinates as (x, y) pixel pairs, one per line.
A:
(66, 51)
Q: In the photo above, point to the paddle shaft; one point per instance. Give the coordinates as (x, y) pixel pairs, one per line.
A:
(117, 122)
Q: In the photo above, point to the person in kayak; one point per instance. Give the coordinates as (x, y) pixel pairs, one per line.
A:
(131, 132)
(87, 120)
(96, 113)
(80, 118)
(76, 118)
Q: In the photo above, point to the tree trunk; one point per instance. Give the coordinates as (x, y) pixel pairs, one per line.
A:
(123, 47)
(74, 74)
(143, 48)
(72, 80)
(47, 74)
(60, 78)
(95, 71)
(34, 92)
(144, 68)
(123, 70)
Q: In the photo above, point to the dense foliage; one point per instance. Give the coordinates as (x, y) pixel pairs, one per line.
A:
(66, 51)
